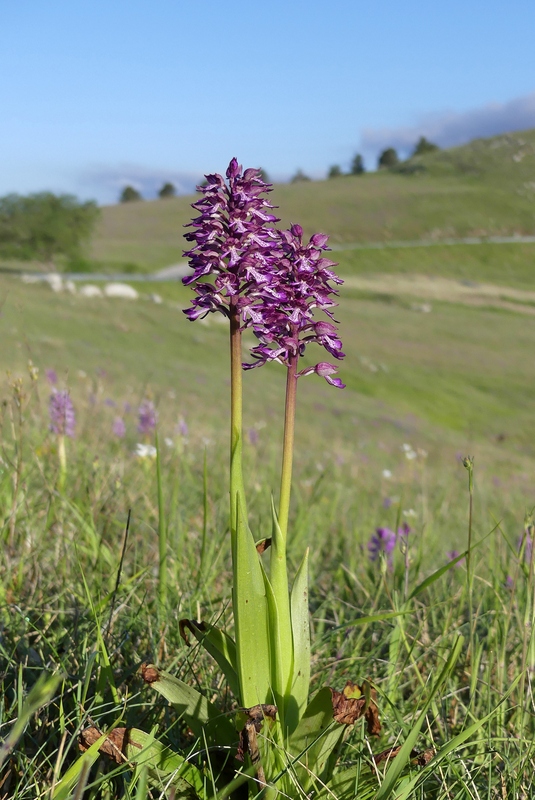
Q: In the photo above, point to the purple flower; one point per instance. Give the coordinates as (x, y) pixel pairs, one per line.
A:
(382, 541)
(387, 502)
(118, 427)
(182, 427)
(232, 243)
(404, 530)
(51, 376)
(109, 402)
(147, 417)
(62, 417)
(253, 436)
(284, 322)
(527, 546)
(451, 555)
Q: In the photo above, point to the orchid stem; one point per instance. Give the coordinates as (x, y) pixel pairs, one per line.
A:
(236, 470)
(288, 448)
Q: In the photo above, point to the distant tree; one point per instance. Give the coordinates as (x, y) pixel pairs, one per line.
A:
(299, 177)
(357, 165)
(335, 171)
(129, 195)
(43, 226)
(388, 158)
(264, 175)
(167, 190)
(424, 146)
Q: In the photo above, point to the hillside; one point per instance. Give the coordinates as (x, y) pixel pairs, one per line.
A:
(484, 188)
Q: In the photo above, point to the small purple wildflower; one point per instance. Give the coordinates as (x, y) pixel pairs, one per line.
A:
(387, 502)
(451, 555)
(51, 376)
(147, 417)
(118, 427)
(404, 530)
(109, 402)
(127, 407)
(62, 416)
(182, 427)
(509, 582)
(382, 541)
(253, 436)
(527, 545)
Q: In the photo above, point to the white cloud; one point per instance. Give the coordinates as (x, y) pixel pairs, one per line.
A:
(451, 128)
(106, 182)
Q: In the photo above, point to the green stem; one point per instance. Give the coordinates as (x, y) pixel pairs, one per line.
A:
(288, 448)
(236, 468)
(62, 453)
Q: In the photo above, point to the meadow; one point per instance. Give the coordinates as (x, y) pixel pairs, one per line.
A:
(429, 382)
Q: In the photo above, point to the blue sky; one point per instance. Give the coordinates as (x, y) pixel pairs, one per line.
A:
(97, 94)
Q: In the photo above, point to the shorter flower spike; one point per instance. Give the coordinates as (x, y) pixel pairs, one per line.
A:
(118, 427)
(62, 416)
(147, 417)
(382, 541)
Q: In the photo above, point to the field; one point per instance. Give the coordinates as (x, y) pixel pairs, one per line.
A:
(439, 343)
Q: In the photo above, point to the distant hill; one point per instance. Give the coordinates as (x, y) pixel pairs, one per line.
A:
(484, 188)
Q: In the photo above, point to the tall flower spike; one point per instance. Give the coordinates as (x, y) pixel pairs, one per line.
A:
(232, 256)
(285, 322)
(62, 416)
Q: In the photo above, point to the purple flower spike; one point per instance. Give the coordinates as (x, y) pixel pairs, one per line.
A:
(284, 321)
(118, 427)
(62, 416)
(382, 541)
(51, 376)
(147, 417)
(233, 243)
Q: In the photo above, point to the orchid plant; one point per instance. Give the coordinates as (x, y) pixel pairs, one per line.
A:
(280, 743)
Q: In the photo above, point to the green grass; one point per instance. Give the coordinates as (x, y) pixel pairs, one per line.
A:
(457, 381)
(446, 382)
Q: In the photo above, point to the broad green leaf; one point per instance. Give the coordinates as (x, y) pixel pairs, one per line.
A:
(278, 576)
(315, 741)
(298, 699)
(402, 758)
(142, 749)
(222, 649)
(195, 709)
(251, 620)
(277, 672)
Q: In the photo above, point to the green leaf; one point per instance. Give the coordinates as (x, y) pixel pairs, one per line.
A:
(315, 741)
(277, 672)
(222, 649)
(194, 708)
(142, 749)
(250, 616)
(356, 782)
(402, 758)
(298, 698)
(76, 771)
(281, 636)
